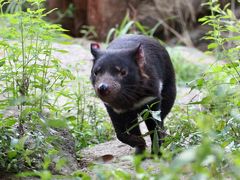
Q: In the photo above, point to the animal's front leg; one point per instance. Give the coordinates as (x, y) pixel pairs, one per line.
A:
(127, 130)
(132, 137)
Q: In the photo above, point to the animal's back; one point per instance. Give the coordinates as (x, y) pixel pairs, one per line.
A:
(131, 40)
(157, 58)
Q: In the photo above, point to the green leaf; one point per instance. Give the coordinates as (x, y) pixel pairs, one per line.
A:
(217, 69)
(238, 104)
(232, 65)
(28, 160)
(205, 100)
(234, 38)
(120, 174)
(232, 29)
(155, 142)
(200, 82)
(203, 19)
(62, 51)
(126, 28)
(53, 152)
(230, 14)
(57, 123)
(45, 175)
(110, 35)
(12, 154)
(212, 45)
(60, 163)
(10, 122)
(21, 143)
(2, 61)
(71, 118)
(46, 163)
(146, 114)
(141, 28)
(233, 81)
(124, 22)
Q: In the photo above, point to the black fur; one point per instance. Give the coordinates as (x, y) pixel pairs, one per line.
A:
(128, 71)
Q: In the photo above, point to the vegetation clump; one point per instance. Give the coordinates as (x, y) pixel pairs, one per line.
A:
(40, 100)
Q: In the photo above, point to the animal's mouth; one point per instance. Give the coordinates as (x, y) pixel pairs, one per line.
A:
(116, 101)
(108, 93)
(107, 98)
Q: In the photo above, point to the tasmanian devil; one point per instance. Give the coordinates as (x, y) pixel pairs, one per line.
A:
(134, 73)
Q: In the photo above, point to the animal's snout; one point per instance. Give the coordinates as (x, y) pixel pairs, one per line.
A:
(103, 89)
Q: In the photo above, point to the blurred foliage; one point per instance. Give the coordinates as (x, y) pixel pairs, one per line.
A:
(130, 26)
(185, 71)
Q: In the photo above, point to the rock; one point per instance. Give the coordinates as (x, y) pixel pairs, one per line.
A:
(192, 55)
(77, 53)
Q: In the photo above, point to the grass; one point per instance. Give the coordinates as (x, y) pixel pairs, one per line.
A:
(185, 71)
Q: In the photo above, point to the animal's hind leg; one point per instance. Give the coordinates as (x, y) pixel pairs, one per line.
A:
(168, 98)
(154, 124)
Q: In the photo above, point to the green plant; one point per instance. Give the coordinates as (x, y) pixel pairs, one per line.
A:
(14, 6)
(61, 14)
(86, 119)
(221, 80)
(185, 71)
(44, 96)
(130, 26)
(216, 127)
(88, 32)
(29, 77)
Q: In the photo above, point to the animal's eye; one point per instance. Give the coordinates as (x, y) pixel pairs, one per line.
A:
(123, 72)
(96, 71)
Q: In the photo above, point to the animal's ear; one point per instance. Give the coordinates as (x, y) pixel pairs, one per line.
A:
(140, 60)
(95, 50)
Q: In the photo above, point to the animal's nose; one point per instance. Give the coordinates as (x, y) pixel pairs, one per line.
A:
(103, 89)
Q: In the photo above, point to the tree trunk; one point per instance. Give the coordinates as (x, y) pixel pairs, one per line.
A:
(105, 14)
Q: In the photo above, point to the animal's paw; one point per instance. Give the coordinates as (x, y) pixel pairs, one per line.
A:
(139, 150)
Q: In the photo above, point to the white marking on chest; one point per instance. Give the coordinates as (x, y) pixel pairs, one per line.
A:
(160, 87)
(143, 101)
(136, 105)
(119, 111)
